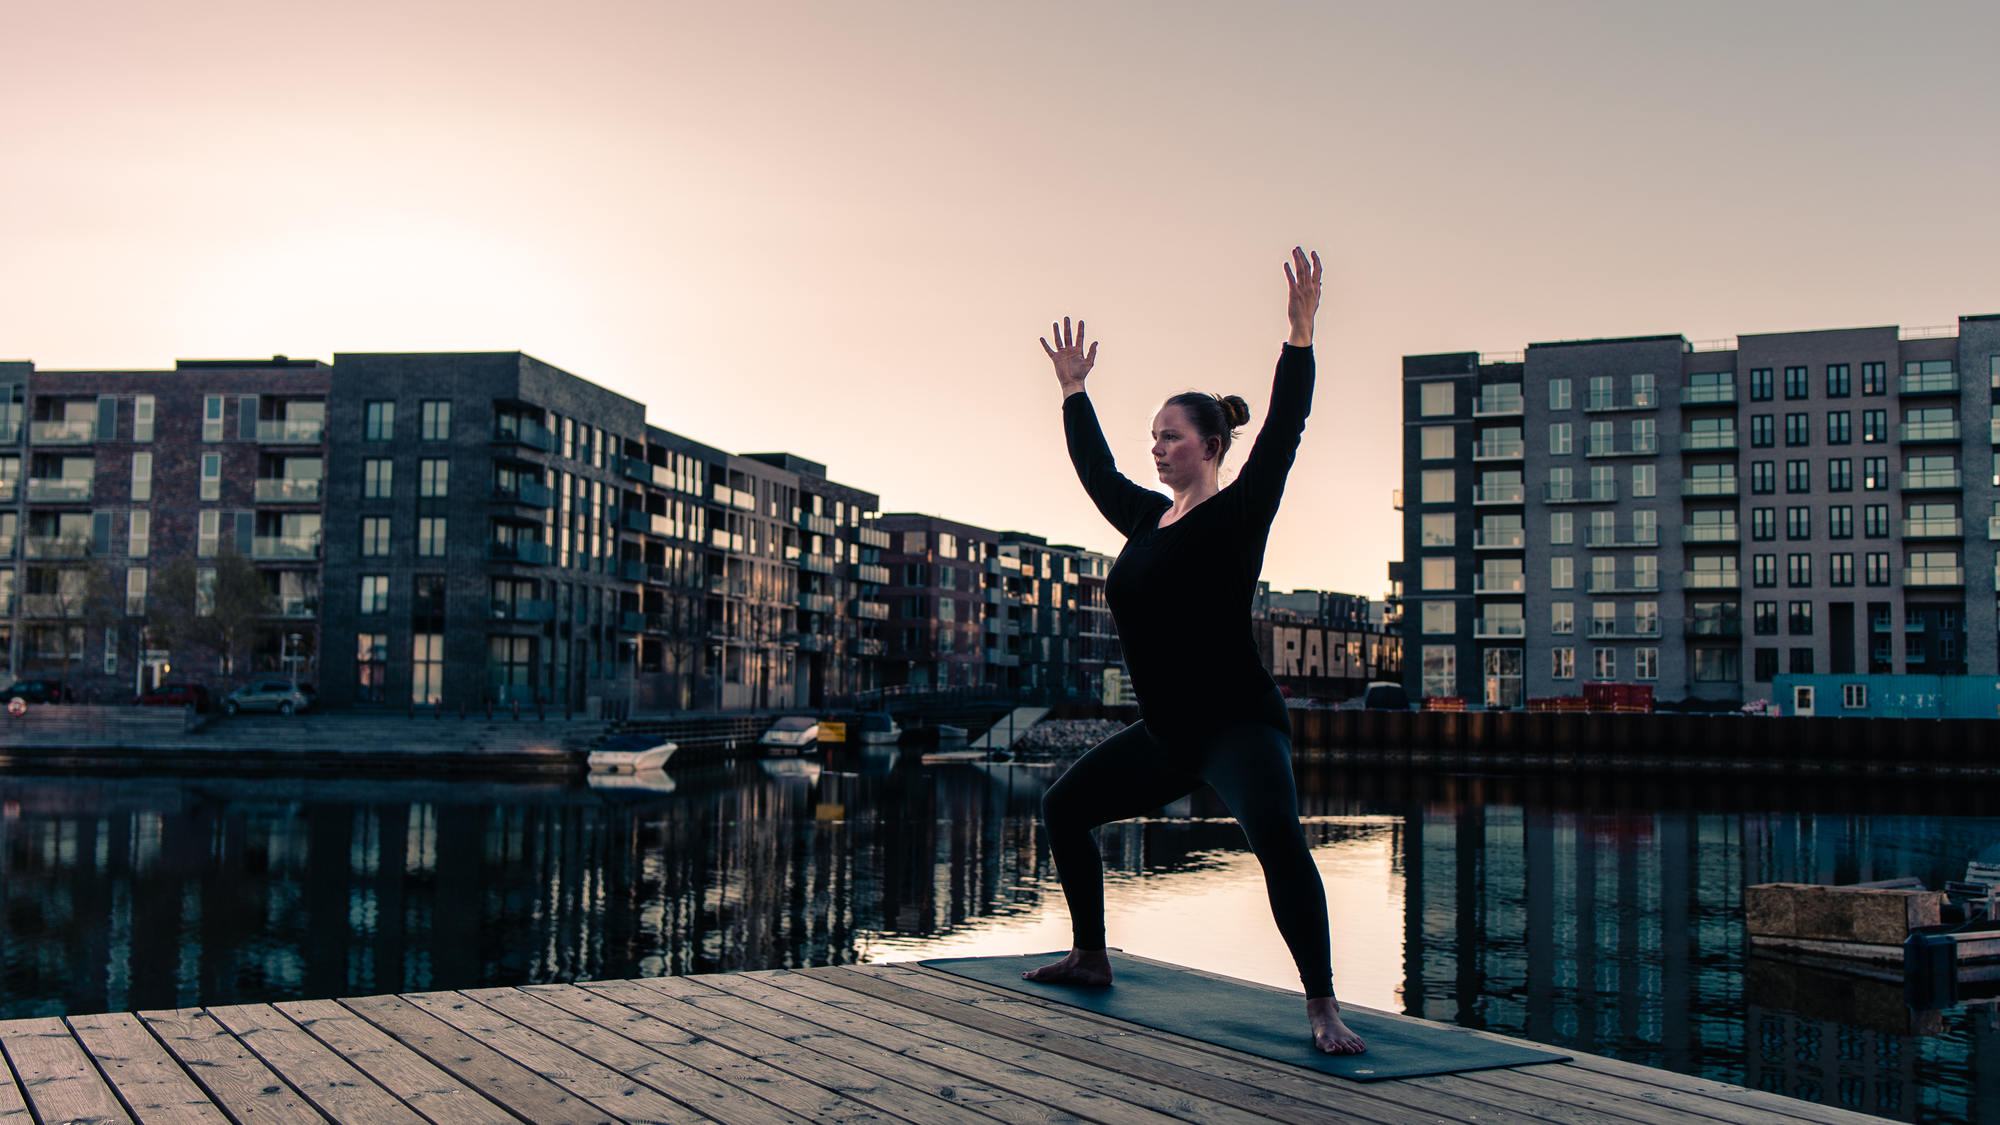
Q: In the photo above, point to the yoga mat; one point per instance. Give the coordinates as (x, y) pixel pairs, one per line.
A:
(1251, 1018)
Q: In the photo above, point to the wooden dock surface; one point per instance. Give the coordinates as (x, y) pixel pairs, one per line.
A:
(889, 1043)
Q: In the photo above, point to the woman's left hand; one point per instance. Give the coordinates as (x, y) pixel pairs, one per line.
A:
(1303, 303)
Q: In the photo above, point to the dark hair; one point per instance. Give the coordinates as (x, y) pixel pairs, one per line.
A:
(1214, 416)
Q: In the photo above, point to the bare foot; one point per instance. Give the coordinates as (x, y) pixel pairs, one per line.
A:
(1329, 1033)
(1082, 966)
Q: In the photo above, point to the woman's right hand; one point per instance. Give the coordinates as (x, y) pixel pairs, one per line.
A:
(1072, 362)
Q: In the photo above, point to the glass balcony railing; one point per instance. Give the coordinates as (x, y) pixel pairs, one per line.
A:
(523, 609)
(291, 431)
(1708, 440)
(1934, 529)
(1708, 395)
(1594, 492)
(1487, 628)
(1931, 479)
(298, 608)
(1512, 539)
(1711, 580)
(520, 431)
(1714, 625)
(288, 490)
(870, 611)
(1613, 400)
(532, 493)
(8, 488)
(816, 523)
(521, 551)
(1639, 445)
(1933, 383)
(58, 489)
(1927, 431)
(62, 432)
(1492, 404)
(872, 537)
(1633, 584)
(1933, 576)
(1710, 533)
(1504, 449)
(1624, 537)
(55, 546)
(816, 603)
(1708, 486)
(871, 572)
(1499, 584)
(284, 547)
(1993, 528)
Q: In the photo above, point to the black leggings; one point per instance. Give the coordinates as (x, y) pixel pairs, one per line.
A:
(1133, 772)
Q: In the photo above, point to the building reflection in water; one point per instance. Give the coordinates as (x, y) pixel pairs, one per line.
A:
(1602, 915)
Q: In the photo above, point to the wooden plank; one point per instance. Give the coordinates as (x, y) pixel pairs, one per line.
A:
(851, 1082)
(662, 1071)
(328, 1081)
(1555, 1102)
(146, 1078)
(1682, 1101)
(1286, 1093)
(13, 1105)
(411, 1077)
(753, 1076)
(244, 1087)
(616, 1093)
(57, 1077)
(477, 1065)
(999, 1104)
(1089, 1092)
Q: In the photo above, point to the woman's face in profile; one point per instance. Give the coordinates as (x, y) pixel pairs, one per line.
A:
(1179, 453)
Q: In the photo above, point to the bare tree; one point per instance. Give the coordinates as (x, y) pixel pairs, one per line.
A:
(215, 605)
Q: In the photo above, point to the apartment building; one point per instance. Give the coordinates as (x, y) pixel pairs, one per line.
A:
(1322, 645)
(1701, 517)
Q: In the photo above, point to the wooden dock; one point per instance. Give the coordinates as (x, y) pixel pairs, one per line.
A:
(892, 1043)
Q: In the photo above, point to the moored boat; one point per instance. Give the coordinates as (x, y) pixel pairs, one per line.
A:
(631, 753)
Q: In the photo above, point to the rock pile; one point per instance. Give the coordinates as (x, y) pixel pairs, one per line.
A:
(1065, 736)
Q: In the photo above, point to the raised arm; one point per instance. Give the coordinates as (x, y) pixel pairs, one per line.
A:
(1125, 504)
(1270, 458)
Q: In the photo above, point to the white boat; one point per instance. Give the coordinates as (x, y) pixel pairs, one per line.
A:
(631, 753)
(879, 728)
(790, 734)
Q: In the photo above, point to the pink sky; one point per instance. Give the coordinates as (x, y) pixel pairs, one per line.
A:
(837, 229)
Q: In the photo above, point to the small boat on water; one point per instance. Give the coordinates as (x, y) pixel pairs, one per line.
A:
(790, 734)
(879, 728)
(631, 753)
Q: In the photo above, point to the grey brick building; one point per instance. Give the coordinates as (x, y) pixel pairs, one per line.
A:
(1701, 517)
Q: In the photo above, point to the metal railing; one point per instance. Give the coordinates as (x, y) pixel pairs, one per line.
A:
(1934, 529)
(1708, 396)
(1933, 576)
(1711, 533)
(288, 490)
(291, 431)
(1932, 478)
(62, 432)
(1927, 431)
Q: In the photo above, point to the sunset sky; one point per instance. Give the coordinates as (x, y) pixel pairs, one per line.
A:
(837, 229)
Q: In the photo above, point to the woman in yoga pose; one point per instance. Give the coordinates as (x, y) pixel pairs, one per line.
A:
(1180, 593)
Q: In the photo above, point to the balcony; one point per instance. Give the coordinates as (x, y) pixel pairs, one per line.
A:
(732, 587)
(1994, 432)
(1933, 383)
(995, 595)
(523, 609)
(284, 548)
(81, 432)
(869, 646)
(297, 608)
(637, 468)
(817, 564)
(520, 551)
(1642, 445)
(872, 537)
(633, 519)
(8, 488)
(867, 610)
(530, 493)
(1003, 564)
(520, 431)
(632, 621)
(1708, 486)
(1714, 625)
(291, 431)
(1513, 539)
(1711, 533)
(1603, 403)
(1499, 494)
(1005, 627)
(1709, 396)
(816, 603)
(1707, 441)
(1504, 449)
(1499, 584)
(1933, 576)
(1615, 627)
(632, 570)
(1492, 404)
(58, 490)
(45, 605)
(1609, 584)
(871, 572)
(1711, 580)
(55, 547)
(1495, 628)
(813, 642)
(1927, 431)
(1000, 659)
(10, 432)
(6, 551)
(1595, 492)
(1608, 537)
(816, 523)
(1932, 479)
(1993, 528)
(288, 490)
(1934, 529)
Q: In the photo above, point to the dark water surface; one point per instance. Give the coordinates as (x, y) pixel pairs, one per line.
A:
(1600, 914)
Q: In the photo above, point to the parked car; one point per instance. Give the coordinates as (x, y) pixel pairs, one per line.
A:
(1383, 695)
(790, 734)
(175, 694)
(37, 691)
(282, 696)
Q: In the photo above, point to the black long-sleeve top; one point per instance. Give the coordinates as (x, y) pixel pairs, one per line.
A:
(1181, 594)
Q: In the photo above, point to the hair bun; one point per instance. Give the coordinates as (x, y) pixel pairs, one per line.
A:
(1234, 410)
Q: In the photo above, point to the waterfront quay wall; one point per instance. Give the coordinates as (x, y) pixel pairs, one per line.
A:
(1522, 740)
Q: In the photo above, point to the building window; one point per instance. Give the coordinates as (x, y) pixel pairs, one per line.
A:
(374, 536)
(1763, 476)
(1644, 480)
(143, 410)
(1764, 619)
(1562, 617)
(1798, 522)
(1840, 521)
(1802, 662)
(142, 476)
(1854, 697)
(1760, 384)
(430, 536)
(1798, 476)
(374, 593)
(378, 478)
(211, 476)
(1875, 521)
(135, 592)
(1604, 663)
(1836, 380)
(1763, 431)
(1874, 378)
(427, 668)
(208, 533)
(1763, 523)
(1801, 621)
(1763, 570)
(1840, 474)
(1798, 570)
(1559, 393)
(1436, 400)
(1646, 663)
(1562, 666)
(1840, 569)
(1562, 573)
(434, 420)
(1559, 438)
(204, 591)
(378, 421)
(433, 477)
(1439, 574)
(140, 542)
(1798, 429)
(1874, 473)
(211, 418)
(1435, 443)
(1874, 426)
(1440, 529)
(1875, 568)
(1838, 429)
(1562, 527)
(1440, 617)
(1766, 665)
(1439, 486)
(1797, 385)
(371, 667)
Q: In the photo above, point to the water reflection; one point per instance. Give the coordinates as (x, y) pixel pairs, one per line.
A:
(1599, 914)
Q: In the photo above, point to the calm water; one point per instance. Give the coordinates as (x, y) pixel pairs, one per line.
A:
(1603, 915)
